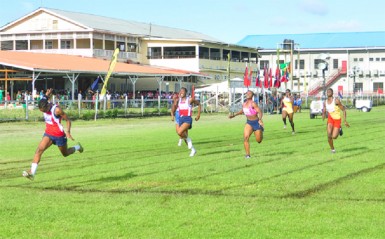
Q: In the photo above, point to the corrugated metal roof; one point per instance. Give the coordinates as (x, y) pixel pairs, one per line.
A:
(130, 27)
(318, 40)
(59, 63)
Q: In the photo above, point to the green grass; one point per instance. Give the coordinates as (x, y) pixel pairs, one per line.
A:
(133, 181)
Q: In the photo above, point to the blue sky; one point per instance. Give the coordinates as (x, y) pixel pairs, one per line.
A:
(226, 20)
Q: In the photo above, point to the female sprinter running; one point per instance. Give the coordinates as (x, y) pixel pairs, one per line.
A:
(287, 110)
(334, 107)
(184, 105)
(254, 121)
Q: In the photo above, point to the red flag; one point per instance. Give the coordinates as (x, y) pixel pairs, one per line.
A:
(277, 82)
(265, 78)
(250, 76)
(270, 78)
(285, 76)
(257, 80)
(246, 81)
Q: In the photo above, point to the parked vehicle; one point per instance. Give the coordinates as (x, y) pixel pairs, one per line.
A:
(364, 105)
(316, 107)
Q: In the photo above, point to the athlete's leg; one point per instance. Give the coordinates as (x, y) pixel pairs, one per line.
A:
(65, 151)
(258, 135)
(291, 121)
(44, 144)
(335, 132)
(330, 135)
(246, 136)
(182, 130)
(284, 115)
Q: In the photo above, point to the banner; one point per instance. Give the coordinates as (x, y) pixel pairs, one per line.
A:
(114, 59)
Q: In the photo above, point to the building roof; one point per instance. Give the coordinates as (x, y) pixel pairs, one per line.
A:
(318, 40)
(58, 63)
(108, 24)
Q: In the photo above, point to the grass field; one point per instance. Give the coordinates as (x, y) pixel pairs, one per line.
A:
(133, 181)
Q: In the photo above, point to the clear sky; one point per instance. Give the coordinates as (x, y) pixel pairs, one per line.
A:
(226, 20)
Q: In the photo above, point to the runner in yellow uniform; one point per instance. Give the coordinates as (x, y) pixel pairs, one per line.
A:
(334, 107)
(287, 109)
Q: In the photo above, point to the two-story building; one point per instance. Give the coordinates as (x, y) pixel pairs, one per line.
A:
(64, 32)
(349, 62)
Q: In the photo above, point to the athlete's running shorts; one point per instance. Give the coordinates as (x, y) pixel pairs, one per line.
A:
(335, 122)
(255, 125)
(185, 119)
(59, 141)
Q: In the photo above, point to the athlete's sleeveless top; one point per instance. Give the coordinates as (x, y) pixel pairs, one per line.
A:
(53, 124)
(333, 110)
(287, 102)
(249, 111)
(184, 107)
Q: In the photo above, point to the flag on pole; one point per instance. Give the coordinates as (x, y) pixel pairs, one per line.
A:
(285, 76)
(114, 59)
(285, 65)
(265, 78)
(250, 76)
(246, 81)
(258, 80)
(228, 70)
(94, 86)
(270, 78)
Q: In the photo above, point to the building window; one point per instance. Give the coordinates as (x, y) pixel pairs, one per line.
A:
(55, 24)
(179, 52)
(371, 59)
(301, 64)
(204, 53)
(21, 45)
(378, 86)
(358, 86)
(335, 63)
(263, 64)
(155, 53)
(48, 45)
(65, 44)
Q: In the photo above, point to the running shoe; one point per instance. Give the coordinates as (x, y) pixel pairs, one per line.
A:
(247, 156)
(180, 142)
(293, 132)
(341, 132)
(193, 152)
(81, 149)
(28, 175)
(333, 151)
(284, 127)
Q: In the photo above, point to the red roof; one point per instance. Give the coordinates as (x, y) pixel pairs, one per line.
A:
(44, 62)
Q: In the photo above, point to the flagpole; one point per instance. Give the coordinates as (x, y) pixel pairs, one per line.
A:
(228, 78)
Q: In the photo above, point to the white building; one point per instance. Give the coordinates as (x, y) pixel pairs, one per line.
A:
(355, 60)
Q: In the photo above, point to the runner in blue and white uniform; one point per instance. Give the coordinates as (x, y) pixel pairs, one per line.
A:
(183, 104)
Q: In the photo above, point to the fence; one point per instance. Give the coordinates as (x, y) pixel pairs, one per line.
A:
(95, 109)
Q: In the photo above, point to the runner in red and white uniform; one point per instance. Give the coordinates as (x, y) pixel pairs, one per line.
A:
(184, 106)
(54, 133)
